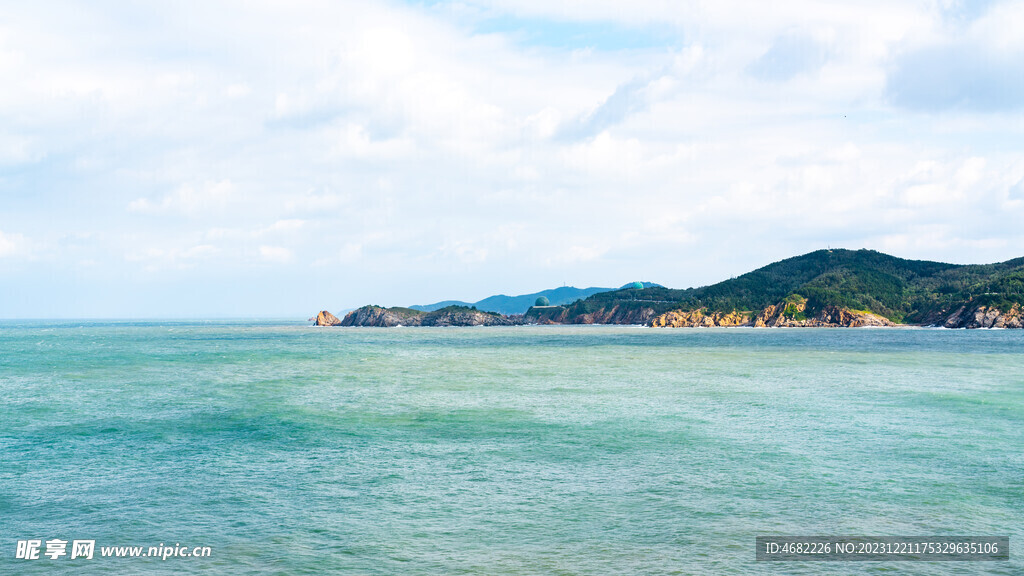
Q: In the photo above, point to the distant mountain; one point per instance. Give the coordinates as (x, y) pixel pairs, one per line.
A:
(503, 304)
(442, 304)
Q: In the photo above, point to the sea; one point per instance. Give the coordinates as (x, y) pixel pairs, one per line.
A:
(274, 447)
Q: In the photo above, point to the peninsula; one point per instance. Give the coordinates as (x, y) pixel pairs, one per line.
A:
(825, 288)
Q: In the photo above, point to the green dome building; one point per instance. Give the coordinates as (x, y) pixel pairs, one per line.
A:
(542, 301)
(638, 285)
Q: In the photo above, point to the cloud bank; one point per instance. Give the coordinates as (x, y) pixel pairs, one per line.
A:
(269, 158)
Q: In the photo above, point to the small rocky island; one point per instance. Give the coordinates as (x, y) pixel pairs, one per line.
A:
(827, 288)
(389, 317)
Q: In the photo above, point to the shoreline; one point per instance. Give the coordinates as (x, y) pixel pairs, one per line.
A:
(657, 328)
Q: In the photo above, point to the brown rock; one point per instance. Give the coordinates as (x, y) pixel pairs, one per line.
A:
(700, 318)
(828, 317)
(325, 318)
(985, 317)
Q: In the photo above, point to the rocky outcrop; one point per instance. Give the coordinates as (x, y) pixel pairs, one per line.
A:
(614, 315)
(325, 318)
(468, 318)
(977, 316)
(700, 319)
(452, 316)
(617, 315)
(379, 316)
(792, 314)
(781, 315)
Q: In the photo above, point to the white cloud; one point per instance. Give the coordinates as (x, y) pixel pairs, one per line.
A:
(312, 202)
(12, 245)
(356, 141)
(403, 139)
(163, 258)
(16, 150)
(285, 226)
(574, 255)
(468, 251)
(190, 199)
(388, 50)
(349, 253)
(275, 254)
(978, 66)
(236, 91)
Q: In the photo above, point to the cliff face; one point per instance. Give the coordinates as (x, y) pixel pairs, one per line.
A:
(377, 316)
(783, 314)
(468, 318)
(325, 318)
(385, 317)
(985, 317)
(612, 315)
(699, 318)
(789, 314)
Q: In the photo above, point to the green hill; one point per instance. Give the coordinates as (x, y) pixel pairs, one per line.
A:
(904, 291)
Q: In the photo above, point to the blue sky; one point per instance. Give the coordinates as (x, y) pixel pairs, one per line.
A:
(266, 159)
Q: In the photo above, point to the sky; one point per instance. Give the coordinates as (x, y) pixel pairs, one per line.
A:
(272, 159)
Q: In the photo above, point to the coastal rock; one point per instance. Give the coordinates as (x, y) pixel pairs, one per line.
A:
(700, 319)
(617, 314)
(468, 318)
(325, 318)
(769, 317)
(451, 316)
(378, 316)
(791, 315)
(836, 316)
(985, 317)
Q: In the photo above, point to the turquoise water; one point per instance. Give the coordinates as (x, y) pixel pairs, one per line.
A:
(528, 450)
